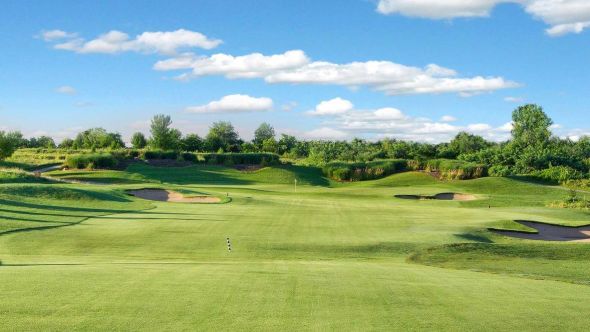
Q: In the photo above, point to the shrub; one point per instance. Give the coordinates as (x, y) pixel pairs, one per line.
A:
(91, 161)
(159, 154)
(455, 169)
(557, 174)
(229, 159)
(187, 156)
(342, 171)
(500, 171)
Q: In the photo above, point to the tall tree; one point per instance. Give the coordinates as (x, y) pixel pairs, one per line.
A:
(138, 140)
(9, 143)
(531, 126)
(192, 143)
(222, 136)
(264, 132)
(163, 137)
(466, 143)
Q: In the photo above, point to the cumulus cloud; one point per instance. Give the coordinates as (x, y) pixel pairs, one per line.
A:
(163, 42)
(563, 16)
(254, 65)
(332, 107)
(52, 35)
(234, 104)
(392, 122)
(325, 133)
(514, 99)
(66, 90)
(437, 9)
(294, 67)
(448, 118)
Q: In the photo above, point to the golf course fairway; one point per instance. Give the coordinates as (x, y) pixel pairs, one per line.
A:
(321, 256)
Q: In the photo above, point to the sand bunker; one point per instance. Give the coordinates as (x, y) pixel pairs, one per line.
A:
(548, 232)
(171, 196)
(440, 197)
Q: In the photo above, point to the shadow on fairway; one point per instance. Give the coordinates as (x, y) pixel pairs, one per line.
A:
(474, 237)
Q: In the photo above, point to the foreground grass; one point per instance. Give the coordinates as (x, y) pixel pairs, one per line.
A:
(327, 256)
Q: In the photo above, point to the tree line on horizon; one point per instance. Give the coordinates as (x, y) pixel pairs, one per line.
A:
(531, 148)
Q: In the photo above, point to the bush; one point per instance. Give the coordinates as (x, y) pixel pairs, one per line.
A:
(342, 171)
(187, 156)
(159, 154)
(500, 171)
(558, 174)
(229, 159)
(91, 161)
(455, 169)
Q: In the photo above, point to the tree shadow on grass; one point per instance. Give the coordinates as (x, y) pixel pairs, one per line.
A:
(59, 208)
(474, 237)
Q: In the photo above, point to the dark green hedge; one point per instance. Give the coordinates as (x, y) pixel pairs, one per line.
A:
(91, 161)
(263, 159)
(342, 171)
(455, 169)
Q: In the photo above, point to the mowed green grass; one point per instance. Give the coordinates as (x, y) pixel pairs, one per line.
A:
(324, 256)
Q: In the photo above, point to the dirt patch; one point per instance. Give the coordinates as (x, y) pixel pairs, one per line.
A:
(440, 197)
(162, 195)
(547, 232)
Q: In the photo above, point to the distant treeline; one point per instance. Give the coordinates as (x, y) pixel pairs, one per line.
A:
(532, 150)
(106, 160)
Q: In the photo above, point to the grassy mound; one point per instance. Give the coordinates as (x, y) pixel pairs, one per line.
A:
(538, 261)
(19, 176)
(52, 192)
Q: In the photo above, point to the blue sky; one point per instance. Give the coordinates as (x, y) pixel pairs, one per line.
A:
(419, 69)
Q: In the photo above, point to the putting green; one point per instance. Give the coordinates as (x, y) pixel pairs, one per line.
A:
(323, 256)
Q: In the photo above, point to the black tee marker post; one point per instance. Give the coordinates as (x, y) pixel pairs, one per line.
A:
(228, 245)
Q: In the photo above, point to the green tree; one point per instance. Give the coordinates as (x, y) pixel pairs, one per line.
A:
(66, 143)
(265, 131)
(98, 138)
(163, 137)
(8, 143)
(531, 126)
(270, 145)
(138, 140)
(222, 136)
(46, 142)
(466, 143)
(192, 143)
(286, 144)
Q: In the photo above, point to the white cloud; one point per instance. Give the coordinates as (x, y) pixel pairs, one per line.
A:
(234, 104)
(288, 107)
(325, 133)
(252, 65)
(66, 90)
(563, 16)
(514, 99)
(332, 107)
(294, 67)
(479, 127)
(393, 123)
(167, 42)
(506, 128)
(448, 118)
(438, 9)
(52, 35)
